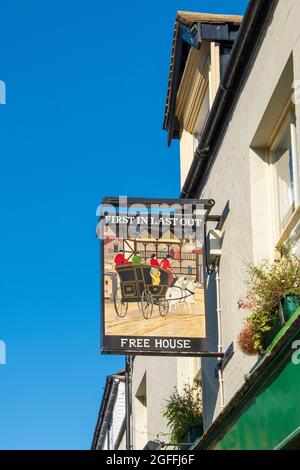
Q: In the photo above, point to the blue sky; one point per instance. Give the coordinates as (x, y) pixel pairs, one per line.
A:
(86, 85)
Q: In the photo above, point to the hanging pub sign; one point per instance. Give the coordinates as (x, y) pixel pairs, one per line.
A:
(152, 285)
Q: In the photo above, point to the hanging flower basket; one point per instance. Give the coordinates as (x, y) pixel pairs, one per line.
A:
(273, 296)
(290, 303)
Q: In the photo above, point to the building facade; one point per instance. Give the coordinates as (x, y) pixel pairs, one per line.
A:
(233, 102)
(154, 379)
(239, 128)
(110, 430)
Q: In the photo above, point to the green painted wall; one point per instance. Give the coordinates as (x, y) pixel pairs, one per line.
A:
(272, 416)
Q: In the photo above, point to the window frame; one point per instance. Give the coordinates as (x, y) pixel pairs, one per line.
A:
(282, 233)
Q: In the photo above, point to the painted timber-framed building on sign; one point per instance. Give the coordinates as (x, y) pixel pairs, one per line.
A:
(239, 131)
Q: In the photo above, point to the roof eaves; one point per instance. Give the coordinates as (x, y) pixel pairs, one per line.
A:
(174, 43)
(102, 410)
(188, 18)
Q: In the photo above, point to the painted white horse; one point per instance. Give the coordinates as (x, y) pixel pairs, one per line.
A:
(182, 292)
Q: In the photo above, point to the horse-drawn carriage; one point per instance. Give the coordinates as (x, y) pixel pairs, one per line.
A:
(136, 285)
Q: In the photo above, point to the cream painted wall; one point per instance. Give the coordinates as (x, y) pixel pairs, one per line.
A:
(162, 375)
(186, 154)
(242, 176)
(214, 71)
(197, 91)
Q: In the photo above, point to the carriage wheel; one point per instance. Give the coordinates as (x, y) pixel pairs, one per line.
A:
(140, 306)
(147, 304)
(163, 307)
(120, 306)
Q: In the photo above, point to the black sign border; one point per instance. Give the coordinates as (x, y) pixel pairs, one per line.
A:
(105, 339)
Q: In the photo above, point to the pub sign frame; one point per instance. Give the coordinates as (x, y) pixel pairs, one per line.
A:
(134, 279)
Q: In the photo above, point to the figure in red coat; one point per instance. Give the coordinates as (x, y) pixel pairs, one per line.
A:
(153, 261)
(165, 264)
(120, 258)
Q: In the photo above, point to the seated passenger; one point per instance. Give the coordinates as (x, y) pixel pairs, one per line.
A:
(120, 258)
(153, 261)
(155, 275)
(137, 259)
(165, 264)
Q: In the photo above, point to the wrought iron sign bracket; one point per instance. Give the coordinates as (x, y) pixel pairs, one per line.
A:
(222, 362)
(220, 220)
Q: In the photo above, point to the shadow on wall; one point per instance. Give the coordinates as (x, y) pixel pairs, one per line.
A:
(210, 382)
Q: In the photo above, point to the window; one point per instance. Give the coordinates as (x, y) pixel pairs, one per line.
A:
(285, 172)
(295, 239)
(140, 414)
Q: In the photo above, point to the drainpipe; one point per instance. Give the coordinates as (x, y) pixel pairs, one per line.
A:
(220, 345)
(127, 402)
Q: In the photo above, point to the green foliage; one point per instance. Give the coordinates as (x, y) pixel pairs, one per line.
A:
(183, 411)
(268, 284)
(261, 320)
